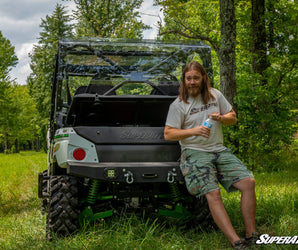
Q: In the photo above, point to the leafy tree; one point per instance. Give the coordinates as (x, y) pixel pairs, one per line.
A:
(212, 22)
(23, 120)
(111, 18)
(8, 60)
(266, 56)
(267, 93)
(266, 76)
(6, 114)
(54, 27)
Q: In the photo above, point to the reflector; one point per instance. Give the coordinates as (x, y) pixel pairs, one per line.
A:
(79, 154)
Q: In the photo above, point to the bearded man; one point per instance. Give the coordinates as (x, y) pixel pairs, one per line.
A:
(205, 161)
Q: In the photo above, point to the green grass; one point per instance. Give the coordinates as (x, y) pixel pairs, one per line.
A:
(22, 226)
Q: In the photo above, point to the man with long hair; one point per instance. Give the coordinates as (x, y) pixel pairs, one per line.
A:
(205, 161)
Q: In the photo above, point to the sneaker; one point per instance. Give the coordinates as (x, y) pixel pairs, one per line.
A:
(240, 244)
(252, 240)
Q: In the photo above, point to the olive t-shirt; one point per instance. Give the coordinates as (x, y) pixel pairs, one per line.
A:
(183, 115)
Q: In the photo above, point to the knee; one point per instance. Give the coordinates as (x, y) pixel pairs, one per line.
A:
(250, 183)
(247, 184)
(213, 196)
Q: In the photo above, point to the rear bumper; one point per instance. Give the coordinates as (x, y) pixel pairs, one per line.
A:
(128, 172)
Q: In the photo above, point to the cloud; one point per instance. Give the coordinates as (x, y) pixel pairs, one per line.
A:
(150, 15)
(23, 9)
(20, 20)
(26, 29)
(22, 70)
(24, 50)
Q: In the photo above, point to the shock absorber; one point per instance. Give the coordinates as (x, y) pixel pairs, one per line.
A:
(92, 195)
(175, 191)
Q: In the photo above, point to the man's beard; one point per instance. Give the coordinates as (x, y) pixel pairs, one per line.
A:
(194, 92)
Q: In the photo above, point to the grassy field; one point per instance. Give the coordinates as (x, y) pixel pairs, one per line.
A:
(22, 226)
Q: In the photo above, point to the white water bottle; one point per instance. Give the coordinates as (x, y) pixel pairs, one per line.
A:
(208, 123)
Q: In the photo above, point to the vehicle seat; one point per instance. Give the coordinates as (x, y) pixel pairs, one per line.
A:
(170, 88)
(96, 86)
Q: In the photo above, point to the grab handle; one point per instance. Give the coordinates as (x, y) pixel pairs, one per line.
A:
(149, 176)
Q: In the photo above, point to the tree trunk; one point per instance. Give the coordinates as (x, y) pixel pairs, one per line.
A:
(37, 148)
(227, 59)
(226, 53)
(17, 147)
(6, 144)
(259, 52)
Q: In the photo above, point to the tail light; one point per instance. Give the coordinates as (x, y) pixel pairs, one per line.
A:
(79, 154)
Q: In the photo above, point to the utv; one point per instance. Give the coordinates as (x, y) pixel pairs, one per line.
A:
(107, 154)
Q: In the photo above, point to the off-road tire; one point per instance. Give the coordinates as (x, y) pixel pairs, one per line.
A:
(202, 219)
(62, 218)
(45, 201)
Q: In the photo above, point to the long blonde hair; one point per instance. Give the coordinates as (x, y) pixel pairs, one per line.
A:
(205, 88)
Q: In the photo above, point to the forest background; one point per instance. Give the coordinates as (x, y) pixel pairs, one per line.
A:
(254, 47)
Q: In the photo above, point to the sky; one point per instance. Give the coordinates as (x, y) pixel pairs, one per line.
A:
(20, 20)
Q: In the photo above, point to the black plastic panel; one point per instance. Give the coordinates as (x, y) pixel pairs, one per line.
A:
(96, 110)
(138, 153)
(123, 135)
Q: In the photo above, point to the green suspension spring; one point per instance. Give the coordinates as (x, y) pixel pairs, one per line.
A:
(175, 191)
(92, 195)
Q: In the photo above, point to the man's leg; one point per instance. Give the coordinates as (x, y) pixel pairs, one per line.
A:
(248, 204)
(220, 215)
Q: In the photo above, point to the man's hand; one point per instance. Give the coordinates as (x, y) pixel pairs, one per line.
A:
(175, 134)
(227, 119)
(201, 131)
(216, 116)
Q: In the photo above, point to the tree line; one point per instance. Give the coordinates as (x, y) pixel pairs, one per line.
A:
(254, 46)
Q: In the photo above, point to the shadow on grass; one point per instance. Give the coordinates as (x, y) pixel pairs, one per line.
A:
(15, 206)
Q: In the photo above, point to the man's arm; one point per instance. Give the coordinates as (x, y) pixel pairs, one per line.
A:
(176, 134)
(227, 119)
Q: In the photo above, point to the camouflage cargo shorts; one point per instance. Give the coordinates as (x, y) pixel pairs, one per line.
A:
(204, 171)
